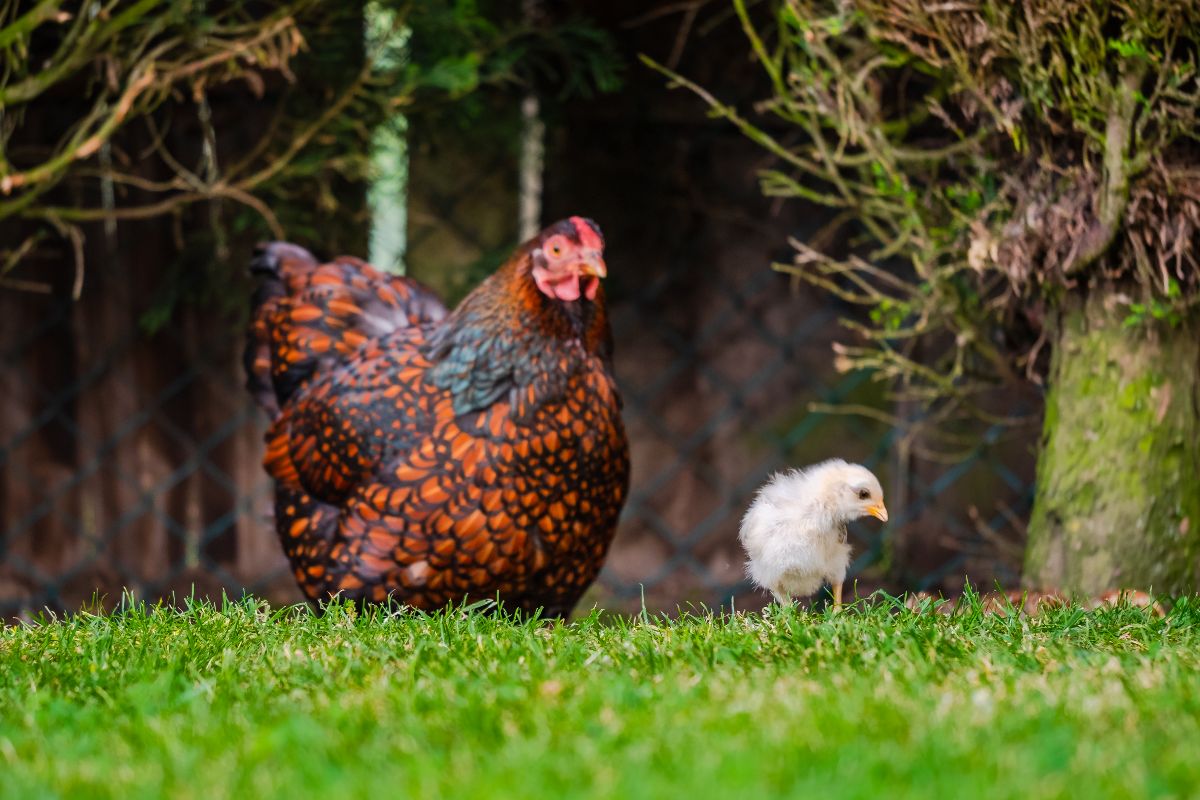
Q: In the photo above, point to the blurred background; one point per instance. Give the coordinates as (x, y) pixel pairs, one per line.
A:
(431, 137)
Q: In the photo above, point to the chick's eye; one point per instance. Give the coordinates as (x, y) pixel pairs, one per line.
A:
(863, 494)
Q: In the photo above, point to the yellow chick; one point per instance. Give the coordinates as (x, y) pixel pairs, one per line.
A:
(794, 532)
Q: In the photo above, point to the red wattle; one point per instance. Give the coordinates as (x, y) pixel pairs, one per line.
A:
(568, 288)
(564, 288)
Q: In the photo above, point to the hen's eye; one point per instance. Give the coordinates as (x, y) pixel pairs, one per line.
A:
(555, 247)
(863, 494)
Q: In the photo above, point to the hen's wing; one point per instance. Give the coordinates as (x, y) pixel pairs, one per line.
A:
(308, 317)
(338, 429)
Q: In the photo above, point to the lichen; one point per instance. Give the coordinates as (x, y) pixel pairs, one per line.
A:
(1118, 502)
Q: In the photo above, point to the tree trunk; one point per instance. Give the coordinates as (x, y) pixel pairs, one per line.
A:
(1118, 494)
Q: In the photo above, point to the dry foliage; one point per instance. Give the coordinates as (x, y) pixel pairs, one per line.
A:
(982, 159)
(86, 71)
(128, 59)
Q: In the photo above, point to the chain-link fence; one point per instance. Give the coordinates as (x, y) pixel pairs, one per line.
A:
(130, 460)
(716, 406)
(127, 461)
(130, 453)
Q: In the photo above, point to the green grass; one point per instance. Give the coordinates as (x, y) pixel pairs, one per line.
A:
(244, 702)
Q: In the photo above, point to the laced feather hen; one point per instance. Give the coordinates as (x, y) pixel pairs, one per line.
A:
(430, 456)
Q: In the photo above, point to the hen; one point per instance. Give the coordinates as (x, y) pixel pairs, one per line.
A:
(427, 456)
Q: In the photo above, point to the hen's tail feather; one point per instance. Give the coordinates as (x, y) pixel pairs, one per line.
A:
(268, 263)
(306, 315)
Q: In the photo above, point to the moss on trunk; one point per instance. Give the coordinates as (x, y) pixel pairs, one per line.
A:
(1118, 496)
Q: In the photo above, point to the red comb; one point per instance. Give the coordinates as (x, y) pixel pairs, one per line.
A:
(587, 234)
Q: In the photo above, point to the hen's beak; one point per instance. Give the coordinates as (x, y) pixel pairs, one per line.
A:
(878, 511)
(592, 266)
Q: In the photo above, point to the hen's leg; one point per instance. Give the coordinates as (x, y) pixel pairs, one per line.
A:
(837, 595)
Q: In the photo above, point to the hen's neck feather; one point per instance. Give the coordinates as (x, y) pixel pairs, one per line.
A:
(507, 336)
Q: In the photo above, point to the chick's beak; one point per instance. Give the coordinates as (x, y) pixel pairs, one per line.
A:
(878, 511)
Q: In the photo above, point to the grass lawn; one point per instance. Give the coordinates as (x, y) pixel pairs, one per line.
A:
(245, 702)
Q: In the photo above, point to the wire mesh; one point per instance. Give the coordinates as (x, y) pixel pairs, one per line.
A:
(136, 466)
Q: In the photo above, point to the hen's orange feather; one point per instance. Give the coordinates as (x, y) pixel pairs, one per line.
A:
(430, 458)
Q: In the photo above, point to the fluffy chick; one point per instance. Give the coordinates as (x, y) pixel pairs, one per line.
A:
(795, 530)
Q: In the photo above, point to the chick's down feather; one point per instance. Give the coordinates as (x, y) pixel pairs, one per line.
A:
(795, 531)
